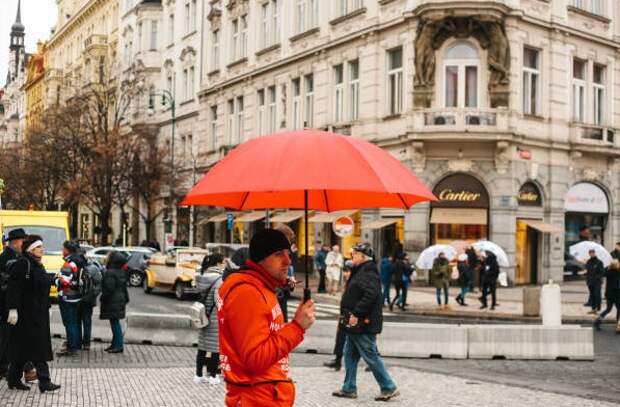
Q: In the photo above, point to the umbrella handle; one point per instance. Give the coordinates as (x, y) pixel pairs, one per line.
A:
(307, 294)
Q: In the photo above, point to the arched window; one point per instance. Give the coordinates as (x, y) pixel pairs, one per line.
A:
(461, 75)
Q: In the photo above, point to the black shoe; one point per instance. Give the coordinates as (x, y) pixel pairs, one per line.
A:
(108, 348)
(597, 324)
(49, 386)
(391, 306)
(18, 386)
(492, 308)
(464, 305)
(483, 306)
(344, 394)
(587, 304)
(458, 299)
(333, 365)
(387, 395)
(115, 350)
(65, 352)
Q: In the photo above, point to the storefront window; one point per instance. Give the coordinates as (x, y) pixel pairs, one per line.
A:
(446, 233)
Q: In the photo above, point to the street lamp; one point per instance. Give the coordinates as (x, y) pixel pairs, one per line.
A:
(167, 100)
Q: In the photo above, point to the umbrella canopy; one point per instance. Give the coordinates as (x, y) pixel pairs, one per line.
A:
(428, 255)
(502, 258)
(581, 252)
(460, 245)
(337, 172)
(308, 169)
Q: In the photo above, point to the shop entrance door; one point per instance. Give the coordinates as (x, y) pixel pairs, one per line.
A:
(528, 259)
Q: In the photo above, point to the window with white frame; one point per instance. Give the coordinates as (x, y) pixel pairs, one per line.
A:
(190, 85)
(306, 15)
(296, 108)
(354, 89)
(269, 28)
(187, 18)
(309, 100)
(345, 7)
(243, 37)
(531, 81)
(239, 121)
(139, 39)
(338, 93)
(579, 89)
(461, 82)
(185, 84)
(597, 7)
(231, 120)
(154, 40)
(272, 109)
(261, 114)
(171, 29)
(598, 93)
(192, 16)
(215, 50)
(213, 126)
(395, 81)
(234, 40)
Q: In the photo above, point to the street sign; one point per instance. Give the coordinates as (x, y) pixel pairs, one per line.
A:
(230, 218)
(343, 226)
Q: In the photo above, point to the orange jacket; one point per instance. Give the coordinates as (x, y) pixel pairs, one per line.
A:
(255, 341)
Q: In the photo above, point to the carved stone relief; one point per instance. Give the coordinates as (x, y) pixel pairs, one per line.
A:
(417, 155)
(490, 34)
(502, 157)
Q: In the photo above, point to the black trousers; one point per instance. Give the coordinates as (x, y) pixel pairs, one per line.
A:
(611, 303)
(321, 288)
(16, 370)
(212, 363)
(489, 288)
(4, 346)
(341, 337)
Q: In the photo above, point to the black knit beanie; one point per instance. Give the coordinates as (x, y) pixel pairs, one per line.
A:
(266, 242)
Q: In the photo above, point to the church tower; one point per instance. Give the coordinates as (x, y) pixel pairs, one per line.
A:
(17, 48)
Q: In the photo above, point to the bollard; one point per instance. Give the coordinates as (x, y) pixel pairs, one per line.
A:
(531, 301)
(551, 304)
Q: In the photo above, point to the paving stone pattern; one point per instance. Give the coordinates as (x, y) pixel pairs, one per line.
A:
(162, 376)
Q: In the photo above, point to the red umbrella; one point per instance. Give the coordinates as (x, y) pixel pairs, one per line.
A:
(308, 169)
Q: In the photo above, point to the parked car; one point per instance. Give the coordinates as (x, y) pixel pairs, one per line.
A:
(174, 271)
(100, 253)
(138, 257)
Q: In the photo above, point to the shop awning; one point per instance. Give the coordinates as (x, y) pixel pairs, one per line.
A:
(542, 226)
(285, 217)
(329, 217)
(459, 216)
(220, 217)
(380, 223)
(251, 216)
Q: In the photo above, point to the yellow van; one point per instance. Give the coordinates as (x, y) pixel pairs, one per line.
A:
(53, 227)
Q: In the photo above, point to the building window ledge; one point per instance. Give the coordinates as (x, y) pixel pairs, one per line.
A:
(213, 72)
(304, 34)
(186, 102)
(237, 62)
(348, 16)
(384, 2)
(587, 13)
(392, 116)
(535, 117)
(268, 49)
(189, 34)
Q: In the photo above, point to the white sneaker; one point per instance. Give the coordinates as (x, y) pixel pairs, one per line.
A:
(199, 379)
(214, 380)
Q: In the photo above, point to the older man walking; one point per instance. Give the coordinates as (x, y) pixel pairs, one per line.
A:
(254, 339)
(362, 318)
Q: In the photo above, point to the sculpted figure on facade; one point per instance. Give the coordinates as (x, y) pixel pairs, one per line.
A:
(498, 54)
(425, 54)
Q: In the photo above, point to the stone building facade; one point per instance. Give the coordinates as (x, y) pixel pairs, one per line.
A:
(509, 110)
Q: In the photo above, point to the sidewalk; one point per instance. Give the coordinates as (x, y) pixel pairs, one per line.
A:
(422, 301)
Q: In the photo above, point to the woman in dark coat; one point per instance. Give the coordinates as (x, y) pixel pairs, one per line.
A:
(28, 303)
(114, 298)
(490, 272)
(612, 291)
(466, 277)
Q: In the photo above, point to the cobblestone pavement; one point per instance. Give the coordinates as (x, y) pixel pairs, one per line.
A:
(162, 376)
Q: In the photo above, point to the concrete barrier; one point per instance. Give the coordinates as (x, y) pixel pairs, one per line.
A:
(161, 329)
(397, 340)
(530, 342)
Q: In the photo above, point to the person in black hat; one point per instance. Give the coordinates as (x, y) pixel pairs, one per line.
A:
(13, 250)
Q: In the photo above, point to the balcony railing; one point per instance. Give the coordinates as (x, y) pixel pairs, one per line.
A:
(95, 40)
(593, 134)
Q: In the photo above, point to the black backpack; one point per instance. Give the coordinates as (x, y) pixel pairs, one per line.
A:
(91, 277)
(6, 274)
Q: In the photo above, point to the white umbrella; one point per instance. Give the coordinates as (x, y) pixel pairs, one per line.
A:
(485, 245)
(428, 255)
(581, 252)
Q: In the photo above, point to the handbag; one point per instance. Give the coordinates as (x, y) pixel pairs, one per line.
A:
(502, 279)
(455, 273)
(198, 315)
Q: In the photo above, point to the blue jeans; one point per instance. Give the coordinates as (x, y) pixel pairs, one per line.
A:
(117, 334)
(69, 315)
(365, 346)
(464, 291)
(445, 294)
(86, 323)
(402, 300)
(386, 291)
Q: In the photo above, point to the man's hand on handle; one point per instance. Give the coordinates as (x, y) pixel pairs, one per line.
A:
(305, 314)
(12, 319)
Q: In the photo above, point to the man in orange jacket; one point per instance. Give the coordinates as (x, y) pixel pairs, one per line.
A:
(254, 340)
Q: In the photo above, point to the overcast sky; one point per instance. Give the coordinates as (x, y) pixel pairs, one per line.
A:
(37, 15)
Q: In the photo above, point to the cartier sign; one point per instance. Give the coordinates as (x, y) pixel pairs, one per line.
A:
(529, 195)
(460, 190)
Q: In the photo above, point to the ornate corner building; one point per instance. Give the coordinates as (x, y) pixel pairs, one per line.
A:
(507, 109)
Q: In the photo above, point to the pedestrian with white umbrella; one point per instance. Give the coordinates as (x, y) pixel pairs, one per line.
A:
(428, 255)
(487, 246)
(581, 251)
(490, 272)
